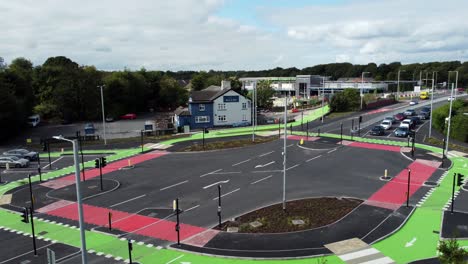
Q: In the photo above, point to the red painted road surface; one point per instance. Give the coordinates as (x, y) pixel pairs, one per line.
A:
(393, 194)
(375, 146)
(137, 224)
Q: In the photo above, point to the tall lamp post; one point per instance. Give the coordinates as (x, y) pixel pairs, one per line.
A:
(398, 84)
(78, 196)
(362, 84)
(449, 121)
(456, 84)
(284, 150)
(323, 95)
(432, 100)
(103, 114)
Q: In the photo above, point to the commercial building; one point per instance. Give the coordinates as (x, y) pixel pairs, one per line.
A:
(215, 106)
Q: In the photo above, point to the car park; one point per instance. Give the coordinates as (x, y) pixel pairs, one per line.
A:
(13, 162)
(399, 117)
(377, 131)
(402, 132)
(409, 112)
(22, 154)
(128, 116)
(386, 124)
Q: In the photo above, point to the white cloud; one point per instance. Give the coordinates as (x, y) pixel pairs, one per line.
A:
(189, 34)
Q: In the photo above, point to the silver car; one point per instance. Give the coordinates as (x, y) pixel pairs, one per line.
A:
(13, 162)
(22, 154)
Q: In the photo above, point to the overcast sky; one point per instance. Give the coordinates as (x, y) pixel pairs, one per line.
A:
(233, 34)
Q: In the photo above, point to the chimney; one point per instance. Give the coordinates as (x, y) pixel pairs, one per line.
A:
(225, 84)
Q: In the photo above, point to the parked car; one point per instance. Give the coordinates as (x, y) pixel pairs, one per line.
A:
(409, 112)
(416, 120)
(110, 119)
(294, 110)
(407, 123)
(400, 117)
(424, 115)
(386, 124)
(13, 162)
(22, 154)
(390, 118)
(128, 116)
(413, 102)
(402, 132)
(377, 131)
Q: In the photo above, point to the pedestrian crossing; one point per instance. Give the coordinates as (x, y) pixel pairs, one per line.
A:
(356, 251)
(157, 146)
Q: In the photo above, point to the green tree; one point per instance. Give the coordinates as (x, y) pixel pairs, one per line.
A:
(264, 94)
(451, 252)
(353, 97)
(199, 80)
(339, 103)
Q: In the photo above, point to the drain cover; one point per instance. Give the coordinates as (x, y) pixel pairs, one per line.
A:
(431, 183)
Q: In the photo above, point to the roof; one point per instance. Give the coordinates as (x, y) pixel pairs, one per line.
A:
(207, 95)
(182, 111)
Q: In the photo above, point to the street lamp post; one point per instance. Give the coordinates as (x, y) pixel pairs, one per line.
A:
(362, 84)
(456, 84)
(398, 84)
(103, 114)
(78, 196)
(449, 121)
(432, 101)
(323, 95)
(284, 150)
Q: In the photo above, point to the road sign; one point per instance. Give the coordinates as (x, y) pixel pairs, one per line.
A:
(50, 256)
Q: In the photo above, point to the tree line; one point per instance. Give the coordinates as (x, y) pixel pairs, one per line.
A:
(61, 89)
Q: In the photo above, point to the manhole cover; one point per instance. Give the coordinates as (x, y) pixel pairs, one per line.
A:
(431, 183)
(255, 224)
(42, 233)
(298, 222)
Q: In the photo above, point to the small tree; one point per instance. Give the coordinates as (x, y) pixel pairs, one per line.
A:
(451, 252)
(264, 94)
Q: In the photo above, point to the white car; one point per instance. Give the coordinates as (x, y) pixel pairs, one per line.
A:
(451, 98)
(386, 124)
(406, 123)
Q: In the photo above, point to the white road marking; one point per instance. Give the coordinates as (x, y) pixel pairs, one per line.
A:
(292, 167)
(241, 162)
(391, 133)
(227, 172)
(264, 165)
(421, 126)
(210, 173)
(331, 151)
(216, 183)
(175, 259)
(262, 179)
(129, 200)
(53, 162)
(268, 153)
(290, 145)
(216, 198)
(191, 208)
(314, 158)
(358, 254)
(165, 188)
(24, 254)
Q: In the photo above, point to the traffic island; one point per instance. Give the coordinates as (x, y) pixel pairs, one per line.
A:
(299, 215)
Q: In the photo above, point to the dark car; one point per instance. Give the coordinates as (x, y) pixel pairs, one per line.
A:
(402, 132)
(409, 112)
(399, 117)
(416, 120)
(377, 131)
(22, 154)
(424, 114)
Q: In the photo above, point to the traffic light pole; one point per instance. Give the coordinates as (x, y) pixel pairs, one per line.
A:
(48, 151)
(203, 138)
(38, 171)
(408, 190)
(177, 224)
(130, 248)
(341, 132)
(31, 194)
(352, 128)
(219, 205)
(100, 174)
(141, 140)
(453, 192)
(33, 233)
(78, 136)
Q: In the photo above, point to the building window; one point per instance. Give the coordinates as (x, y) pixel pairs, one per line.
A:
(202, 119)
(201, 107)
(222, 118)
(244, 117)
(221, 107)
(244, 106)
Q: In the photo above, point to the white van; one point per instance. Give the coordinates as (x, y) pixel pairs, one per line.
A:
(34, 120)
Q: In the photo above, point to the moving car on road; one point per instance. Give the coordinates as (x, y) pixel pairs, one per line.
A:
(22, 154)
(413, 102)
(128, 116)
(13, 162)
(386, 124)
(377, 131)
(402, 132)
(451, 98)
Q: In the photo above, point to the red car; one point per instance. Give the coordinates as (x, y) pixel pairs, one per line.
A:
(400, 117)
(295, 110)
(128, 116)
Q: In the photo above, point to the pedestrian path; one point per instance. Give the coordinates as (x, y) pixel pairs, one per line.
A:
(356, 251)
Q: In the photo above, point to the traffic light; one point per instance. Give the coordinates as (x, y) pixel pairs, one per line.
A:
(25, 215)
(206, 130)
(44, 146)
(96, 163)
(460, 178)
(360, 119)
(103, 162)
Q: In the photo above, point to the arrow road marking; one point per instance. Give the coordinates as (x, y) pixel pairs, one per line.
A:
(264, 165)
(411, 243)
